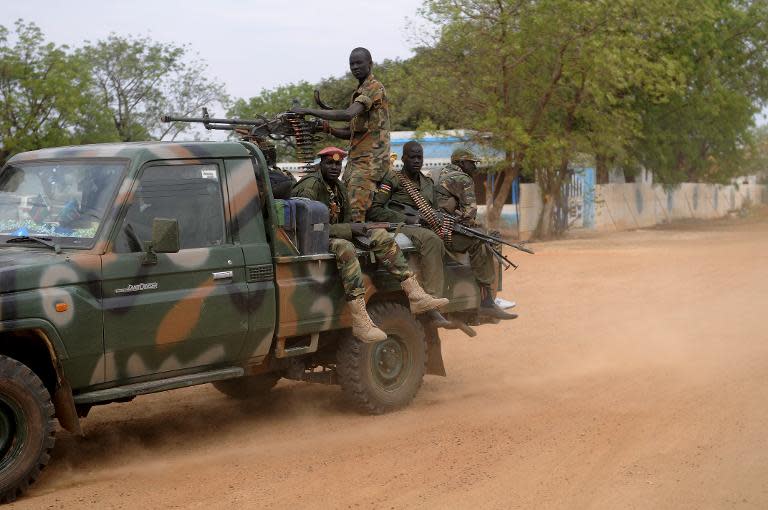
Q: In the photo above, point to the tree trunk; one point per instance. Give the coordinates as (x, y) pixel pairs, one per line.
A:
(545, 225)
(502, 189)
(601, 162)
(551, 186)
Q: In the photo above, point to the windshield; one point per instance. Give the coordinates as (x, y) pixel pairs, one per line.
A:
(65, 201)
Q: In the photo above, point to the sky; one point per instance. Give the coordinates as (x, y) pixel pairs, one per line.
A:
(248, 45)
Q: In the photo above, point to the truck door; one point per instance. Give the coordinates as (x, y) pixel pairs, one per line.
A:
(246, 205)
(189, 309)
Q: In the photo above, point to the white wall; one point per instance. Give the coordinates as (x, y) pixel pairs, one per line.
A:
(639, 205)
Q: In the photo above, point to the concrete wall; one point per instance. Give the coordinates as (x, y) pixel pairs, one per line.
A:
(638, 205)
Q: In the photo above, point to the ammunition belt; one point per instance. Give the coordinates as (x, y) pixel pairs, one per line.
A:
(442, 225)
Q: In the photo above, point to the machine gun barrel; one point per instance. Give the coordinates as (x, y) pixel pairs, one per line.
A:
(471, 232)
(211, 120)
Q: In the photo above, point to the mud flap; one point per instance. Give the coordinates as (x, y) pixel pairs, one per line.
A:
(435, 364)
(64, 405)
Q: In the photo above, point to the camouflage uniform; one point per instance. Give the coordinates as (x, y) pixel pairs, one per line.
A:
(368, 158)
(456, 196)
(427, 243)
(383, 246)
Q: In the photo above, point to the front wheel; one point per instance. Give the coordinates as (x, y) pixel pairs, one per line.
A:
(26, 428)
(384, 376)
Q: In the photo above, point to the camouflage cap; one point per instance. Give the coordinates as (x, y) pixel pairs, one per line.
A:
(463, 155)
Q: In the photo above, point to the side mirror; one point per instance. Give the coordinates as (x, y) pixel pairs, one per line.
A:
(165, 235)
(165, 239)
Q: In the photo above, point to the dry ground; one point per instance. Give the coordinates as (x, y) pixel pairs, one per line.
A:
(636, 377)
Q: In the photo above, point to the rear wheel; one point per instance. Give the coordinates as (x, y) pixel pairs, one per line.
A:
(384, 376)
(27, 428)
(251, 386)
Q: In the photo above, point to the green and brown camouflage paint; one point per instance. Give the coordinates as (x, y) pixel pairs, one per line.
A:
(109, 320)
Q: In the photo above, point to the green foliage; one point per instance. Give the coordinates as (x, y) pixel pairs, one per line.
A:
(548, 79)
(43, 95)
(137, 80)
(702, 133)
(672, 86)
(271, 102)
(47, 92)
(756, 155)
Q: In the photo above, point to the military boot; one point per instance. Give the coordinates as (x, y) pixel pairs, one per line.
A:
(362, 326)
(488, 307)
(419, 300)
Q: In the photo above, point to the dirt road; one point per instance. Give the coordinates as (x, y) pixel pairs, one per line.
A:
(636, 377)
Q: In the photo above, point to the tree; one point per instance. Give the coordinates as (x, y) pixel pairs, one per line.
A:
(703, 131)
(43, 95)
(548, 79)
(137, 80)
(756, 155)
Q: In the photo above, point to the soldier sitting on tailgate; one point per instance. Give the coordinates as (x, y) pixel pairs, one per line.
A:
(455, 193)
(392, 202)
(324, 186)
(387, 206)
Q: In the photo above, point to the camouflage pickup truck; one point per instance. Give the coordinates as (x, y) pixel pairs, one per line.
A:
(128, 269)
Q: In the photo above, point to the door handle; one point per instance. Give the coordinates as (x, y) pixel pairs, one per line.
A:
(222, 275)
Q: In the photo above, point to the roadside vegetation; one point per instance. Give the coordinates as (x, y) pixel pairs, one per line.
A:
(672, 86)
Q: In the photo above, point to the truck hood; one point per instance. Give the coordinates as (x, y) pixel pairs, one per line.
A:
(23, 268)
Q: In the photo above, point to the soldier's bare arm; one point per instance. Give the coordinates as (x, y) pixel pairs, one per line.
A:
(343, 115)
(341, 133)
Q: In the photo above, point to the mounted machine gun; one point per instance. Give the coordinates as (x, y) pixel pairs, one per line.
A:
(280, 127)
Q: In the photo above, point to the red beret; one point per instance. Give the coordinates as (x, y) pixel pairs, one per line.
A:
(332, 152)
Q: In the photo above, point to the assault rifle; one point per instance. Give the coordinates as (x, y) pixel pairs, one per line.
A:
(281, 126)
(490, 240)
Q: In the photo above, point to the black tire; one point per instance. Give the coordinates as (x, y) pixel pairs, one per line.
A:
(384, 376)
(250, 386)
(27, 428)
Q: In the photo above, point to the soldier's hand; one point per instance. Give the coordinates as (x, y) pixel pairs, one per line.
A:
(358, 229)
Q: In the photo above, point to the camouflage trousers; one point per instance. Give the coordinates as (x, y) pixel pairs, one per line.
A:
(360, 191)
(480, 258)
(366, 166)
(384, 249)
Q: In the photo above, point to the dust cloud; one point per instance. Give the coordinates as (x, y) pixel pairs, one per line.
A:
(635, 377)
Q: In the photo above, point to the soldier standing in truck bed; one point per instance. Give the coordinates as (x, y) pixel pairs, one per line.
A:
(323, 185)
(368, 133)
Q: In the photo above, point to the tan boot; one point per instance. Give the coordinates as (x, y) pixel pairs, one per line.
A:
(362, 326)
(420, 301)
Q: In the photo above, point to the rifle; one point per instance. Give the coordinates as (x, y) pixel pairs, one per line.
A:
(446, 219)
(365, 242)
(281, 126)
